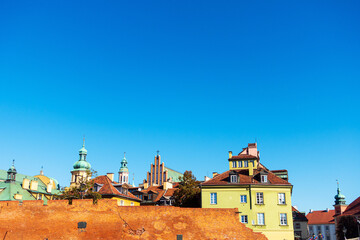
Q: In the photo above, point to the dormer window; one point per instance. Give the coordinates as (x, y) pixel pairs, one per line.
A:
(234, 164)
(264, 176)
(233, 177)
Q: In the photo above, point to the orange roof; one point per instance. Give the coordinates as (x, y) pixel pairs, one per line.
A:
(353, 208)
(243, 156)
(321, 217)
(224, 178)
(109, 189)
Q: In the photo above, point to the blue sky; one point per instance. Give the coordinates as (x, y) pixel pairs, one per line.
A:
(191, 79)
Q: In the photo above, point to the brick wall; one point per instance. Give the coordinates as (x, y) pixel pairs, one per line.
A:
(106, 220)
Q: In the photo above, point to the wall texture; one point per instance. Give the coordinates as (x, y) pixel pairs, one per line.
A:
(107, 220)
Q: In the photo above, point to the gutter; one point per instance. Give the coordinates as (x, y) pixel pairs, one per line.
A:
(250, 197)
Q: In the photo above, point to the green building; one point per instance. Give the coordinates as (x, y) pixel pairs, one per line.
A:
(15, 186)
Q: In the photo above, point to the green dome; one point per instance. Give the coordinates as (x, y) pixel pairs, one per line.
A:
(82, 165)
(12, 169)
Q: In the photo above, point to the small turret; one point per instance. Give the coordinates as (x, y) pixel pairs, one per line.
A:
(340, 205)
(124, 171)
(11, 173)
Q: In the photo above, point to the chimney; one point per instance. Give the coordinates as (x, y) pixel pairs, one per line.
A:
(215, 174)
(230, 154)
(311, 211)
(327, 210)
(111, 176)
(206, 178)
(252, 149)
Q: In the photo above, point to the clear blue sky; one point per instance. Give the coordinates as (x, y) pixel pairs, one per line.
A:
(193, 79)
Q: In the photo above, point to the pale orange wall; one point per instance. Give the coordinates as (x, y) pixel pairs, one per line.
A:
(58, 220)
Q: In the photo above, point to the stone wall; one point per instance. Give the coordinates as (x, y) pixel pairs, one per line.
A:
(106, 220)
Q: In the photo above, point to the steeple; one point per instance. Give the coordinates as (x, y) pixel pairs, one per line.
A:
(81, 167)
(124, 171)
(11, 173)
(339, 198)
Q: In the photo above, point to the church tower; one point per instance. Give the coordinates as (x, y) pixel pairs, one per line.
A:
(340, 205)
(123, 172)
(81, 168)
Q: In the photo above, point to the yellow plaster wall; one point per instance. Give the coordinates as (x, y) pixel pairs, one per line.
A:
(229, 197)
(127, 202)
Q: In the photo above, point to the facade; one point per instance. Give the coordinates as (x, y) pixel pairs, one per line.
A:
(301, 229)
(81, 168)
(159, 174)
(110, 189)
(15, 186)
(321, 223)
(263, 199)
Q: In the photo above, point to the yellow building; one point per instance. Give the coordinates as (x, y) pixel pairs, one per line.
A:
(262, 198)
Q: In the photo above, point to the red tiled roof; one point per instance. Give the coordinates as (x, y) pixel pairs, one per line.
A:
(353, 208)
(170, 192)
(321, 217)
(283, 170)
(224, 179)
(109, 189)
(243, 156)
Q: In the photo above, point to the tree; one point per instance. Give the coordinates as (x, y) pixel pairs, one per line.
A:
(189, 193)
(83, 190)
(349, 224)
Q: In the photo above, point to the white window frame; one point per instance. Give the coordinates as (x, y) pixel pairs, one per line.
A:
(264, 179)
(259, 198)
(282, 199)
(234, 164)
(244, 218)
(121, 202)
(243, 198)
(213, 198)
(239, 164)
(260, 219)
(246, 164)
(233, 178)
(283, 219)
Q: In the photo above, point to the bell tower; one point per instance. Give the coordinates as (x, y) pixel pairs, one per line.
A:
(81, 168)
(340, 205)
(124, 171)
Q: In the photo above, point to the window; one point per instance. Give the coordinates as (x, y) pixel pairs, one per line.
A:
(121, 202)
(243, 199)
(234, 164)
(281, 198)
(297, 225)
(319, 228)
(311, 229)
(239, 163)
(244, 219)
(132, 203)
(259, 198)
(233, 178)
(283, 219)
(264, 178)
(246, 164)
(213, 198)
(39, 197)
(327, 228)
(260, 219)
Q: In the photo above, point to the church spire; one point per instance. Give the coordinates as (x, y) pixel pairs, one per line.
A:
(339, 198)
(124, 171)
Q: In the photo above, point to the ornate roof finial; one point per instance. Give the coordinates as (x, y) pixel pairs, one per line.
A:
(84, 141)
(157, 153)
(13, 163)
(124, 154)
